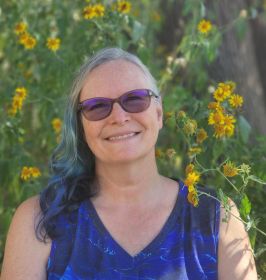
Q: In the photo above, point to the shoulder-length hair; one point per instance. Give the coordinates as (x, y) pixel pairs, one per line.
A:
(72, 163)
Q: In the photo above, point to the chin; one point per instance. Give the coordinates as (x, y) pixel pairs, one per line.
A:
(127, 157)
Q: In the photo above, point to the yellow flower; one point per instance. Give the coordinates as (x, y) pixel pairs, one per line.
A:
(25, 173)
(201, 135)
(189, 168)
(89, 12)
(21, 92)
(28, 172)
(92, 11)
(229, 169)
(20, 28)
(57, 125)
(216, 118)
(123, 7)
(168, 115)
(232, 85)
(215, 106)
(23, 37)
(226, 128)
(192, 198)
(204, 26)
(29, 42)
(190, 127)
(35, 172)
(158, 153)
(229, 125)
(17, 100)
(191, 179)
(181, 115)
(53, 44)
(222, 92)
(236, 101)
(99, 10)
(194, 151)
(170, 152)
(219, 131)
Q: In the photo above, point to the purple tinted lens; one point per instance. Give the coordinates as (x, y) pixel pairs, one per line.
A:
(96, 108)
(135, 101)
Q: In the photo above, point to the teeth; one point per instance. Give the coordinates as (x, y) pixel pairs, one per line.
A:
(122, 136)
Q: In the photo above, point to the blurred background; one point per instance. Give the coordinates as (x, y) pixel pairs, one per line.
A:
(209, 60)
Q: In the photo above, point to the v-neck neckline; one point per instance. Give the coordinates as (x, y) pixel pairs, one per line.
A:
(155, 242)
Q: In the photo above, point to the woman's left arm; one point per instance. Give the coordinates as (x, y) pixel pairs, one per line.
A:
(235, 257)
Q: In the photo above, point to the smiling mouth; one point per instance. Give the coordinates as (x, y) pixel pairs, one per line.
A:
(122, 137)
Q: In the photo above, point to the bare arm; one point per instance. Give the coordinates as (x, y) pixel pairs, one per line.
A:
(25, 256)
(235, 258)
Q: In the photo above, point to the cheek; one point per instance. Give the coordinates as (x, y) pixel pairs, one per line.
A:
(92, 142)
(90, 134)
(87, 137)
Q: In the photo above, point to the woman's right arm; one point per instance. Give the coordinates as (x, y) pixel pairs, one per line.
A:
(235, 255)
(25, 256)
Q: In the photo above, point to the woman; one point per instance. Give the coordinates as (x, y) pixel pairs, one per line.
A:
(107, 212)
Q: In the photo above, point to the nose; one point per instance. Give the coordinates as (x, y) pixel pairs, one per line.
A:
(118, 115)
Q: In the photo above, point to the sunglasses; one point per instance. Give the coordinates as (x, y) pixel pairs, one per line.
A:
(134, 101)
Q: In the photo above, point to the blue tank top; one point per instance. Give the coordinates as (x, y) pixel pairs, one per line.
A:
(185, 248)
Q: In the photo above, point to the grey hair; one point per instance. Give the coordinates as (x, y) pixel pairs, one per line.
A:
(103, 56)
(72, 134)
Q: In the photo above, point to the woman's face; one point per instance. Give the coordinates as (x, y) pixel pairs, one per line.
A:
(139, 130)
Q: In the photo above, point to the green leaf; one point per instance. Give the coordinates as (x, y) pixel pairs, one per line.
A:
(202, 10)
(244, 128)
(138, 31)
(187, 7)
(223, 197)
(252, 237)
(245, 206)
(256, 179)
(241, 28)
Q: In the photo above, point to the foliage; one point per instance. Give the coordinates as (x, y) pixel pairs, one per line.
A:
(42, 43)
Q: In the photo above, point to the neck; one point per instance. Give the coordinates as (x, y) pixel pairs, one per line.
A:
(128, 183)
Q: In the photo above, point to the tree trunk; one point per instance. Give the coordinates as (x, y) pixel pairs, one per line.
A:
(239, 59)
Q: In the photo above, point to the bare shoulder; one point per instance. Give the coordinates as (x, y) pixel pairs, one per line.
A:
(172, 187)
(28, 208)
(25, 256)
(235, 254)
(171, 184)
(26, 217)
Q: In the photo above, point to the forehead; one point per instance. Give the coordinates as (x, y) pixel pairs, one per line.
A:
(113, 78)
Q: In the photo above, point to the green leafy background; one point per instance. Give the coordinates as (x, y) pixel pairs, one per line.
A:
(28, 139)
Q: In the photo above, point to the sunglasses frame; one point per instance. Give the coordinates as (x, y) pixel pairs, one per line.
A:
(117, 100)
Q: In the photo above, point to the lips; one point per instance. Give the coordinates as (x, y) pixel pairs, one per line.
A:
(122, 136)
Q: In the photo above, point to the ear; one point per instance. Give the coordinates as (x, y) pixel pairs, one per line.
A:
(159, 111)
